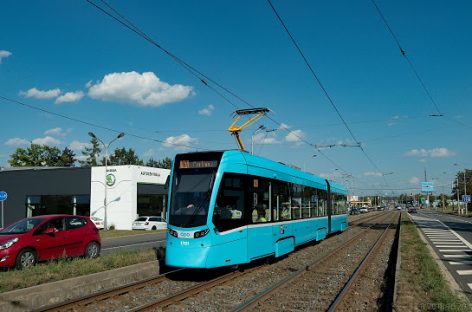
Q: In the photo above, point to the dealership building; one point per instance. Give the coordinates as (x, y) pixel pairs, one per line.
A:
(129, 190)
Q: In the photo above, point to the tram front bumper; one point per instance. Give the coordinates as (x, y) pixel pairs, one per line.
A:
(186, 253)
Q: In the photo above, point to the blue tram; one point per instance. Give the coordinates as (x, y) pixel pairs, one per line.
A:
(227, 208)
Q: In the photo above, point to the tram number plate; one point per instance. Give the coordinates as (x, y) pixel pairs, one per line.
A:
(184, 243)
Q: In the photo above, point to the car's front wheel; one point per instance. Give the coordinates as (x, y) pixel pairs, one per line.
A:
(92, 250)
(26, 258)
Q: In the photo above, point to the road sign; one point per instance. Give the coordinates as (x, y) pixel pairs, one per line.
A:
(466, 198)
(427, 187)
(3, 196)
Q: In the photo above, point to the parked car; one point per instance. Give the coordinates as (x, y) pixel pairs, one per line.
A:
(42, 238)
(363, 210)
(149, 223)
(98, 222)
(412, 210)
(354, 211)
(398, 207)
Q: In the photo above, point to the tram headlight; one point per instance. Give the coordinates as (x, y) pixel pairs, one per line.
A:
(173, 233)
(201, 233)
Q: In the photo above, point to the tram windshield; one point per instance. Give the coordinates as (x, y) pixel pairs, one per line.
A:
(191, 191)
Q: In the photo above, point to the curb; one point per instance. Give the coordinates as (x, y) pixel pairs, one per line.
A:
(35, 297)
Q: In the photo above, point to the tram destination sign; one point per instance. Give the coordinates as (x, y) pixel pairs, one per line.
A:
(197, 164)
(3, 196)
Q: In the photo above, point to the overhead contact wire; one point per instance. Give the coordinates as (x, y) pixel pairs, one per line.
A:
(403, 53)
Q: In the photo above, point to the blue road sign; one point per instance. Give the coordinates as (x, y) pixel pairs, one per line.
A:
(427, 187)
(3, 196)
(466, 198)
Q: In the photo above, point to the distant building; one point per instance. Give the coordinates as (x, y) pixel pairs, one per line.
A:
(131, 191)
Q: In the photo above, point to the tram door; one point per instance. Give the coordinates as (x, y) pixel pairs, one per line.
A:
(260, 229)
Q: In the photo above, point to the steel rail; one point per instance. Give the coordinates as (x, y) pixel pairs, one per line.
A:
(105, 294)
(251, 303)
(355, 276)
(192, 291)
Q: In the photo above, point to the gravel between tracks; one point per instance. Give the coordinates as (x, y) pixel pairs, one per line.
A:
(315, 291)
(319, 284)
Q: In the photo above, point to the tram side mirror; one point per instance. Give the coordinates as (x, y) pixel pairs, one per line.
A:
(166, 185)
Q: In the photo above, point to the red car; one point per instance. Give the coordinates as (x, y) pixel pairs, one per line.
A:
(41, 238)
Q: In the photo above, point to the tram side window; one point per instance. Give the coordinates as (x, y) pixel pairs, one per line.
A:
(229, 208)
(322, 203)
(260, 207)
(334, 204)
(341, 203)
(307, 204)
(280, 201)
(296, 200)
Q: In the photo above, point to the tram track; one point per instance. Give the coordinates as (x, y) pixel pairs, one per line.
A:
(270, 297)
(167, 291)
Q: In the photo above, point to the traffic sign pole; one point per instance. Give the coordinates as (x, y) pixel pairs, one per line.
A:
(3, 197)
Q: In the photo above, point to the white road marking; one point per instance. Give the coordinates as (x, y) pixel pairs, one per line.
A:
(460, 262)
(464, 272)
(456, 245)
(457, 256)
(455, 250)
(470, 285)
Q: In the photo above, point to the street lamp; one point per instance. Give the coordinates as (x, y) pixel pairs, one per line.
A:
(465, 189)
(106, 146)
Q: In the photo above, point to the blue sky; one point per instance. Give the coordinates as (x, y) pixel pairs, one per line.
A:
(69, 58)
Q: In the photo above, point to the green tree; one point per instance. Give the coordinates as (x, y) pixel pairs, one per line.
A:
(165, 163)
(92, 153)
(123, 156)
(42, 156)
(67, 158)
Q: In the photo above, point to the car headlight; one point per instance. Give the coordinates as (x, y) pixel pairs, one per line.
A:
(8, 243)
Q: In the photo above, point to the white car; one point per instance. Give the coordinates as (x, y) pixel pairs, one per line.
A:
(363, 210)
(98, 223)
(149, 223)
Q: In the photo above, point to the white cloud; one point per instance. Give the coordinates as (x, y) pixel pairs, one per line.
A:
(47, 140)
(265, 138)
(78, 146)
(435, 152)
(57, 132)
(284, 126)
(4, 54)
(295, 136)
(70, 97)
(414, 181)
(372, 174)
(179, 142)
(144, 89)
(207, 111)
(17, 142)
(39, 94)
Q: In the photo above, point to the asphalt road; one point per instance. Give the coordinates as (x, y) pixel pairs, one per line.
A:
(133, 242)
(451, 238)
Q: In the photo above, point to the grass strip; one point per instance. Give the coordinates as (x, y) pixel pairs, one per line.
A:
(422, 286)
(120, 233)
(66, 268)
